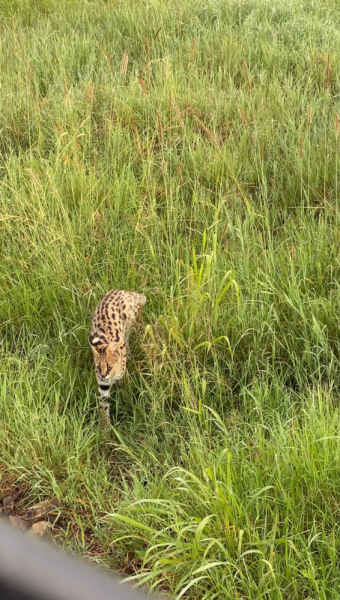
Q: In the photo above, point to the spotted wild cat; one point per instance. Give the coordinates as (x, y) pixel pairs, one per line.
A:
(112, 322)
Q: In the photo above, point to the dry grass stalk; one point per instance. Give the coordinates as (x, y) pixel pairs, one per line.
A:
(157, 33)
(293, 253)
(142, 84)
(180, 176)
(107, 56)
(206, 130)
(244, 118)
(90, 93)
(328, 69)
(160, 126)
(67, 97)
(336, 122)
(262, 148)
(309, 115)
(225, 229)
(177, 111)
(245, 67)
(34, 178)
(124, 64)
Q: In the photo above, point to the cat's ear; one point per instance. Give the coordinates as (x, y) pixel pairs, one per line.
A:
(98, 346)
(113, 350)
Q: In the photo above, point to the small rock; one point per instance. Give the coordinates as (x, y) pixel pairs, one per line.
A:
(6, 510)
(8, 501)
(39, 529)
(38, 512)
(18, 523)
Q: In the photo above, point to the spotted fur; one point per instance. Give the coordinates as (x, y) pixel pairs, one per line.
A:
(112, 322)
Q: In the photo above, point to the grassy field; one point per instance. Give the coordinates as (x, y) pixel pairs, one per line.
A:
(189, 151)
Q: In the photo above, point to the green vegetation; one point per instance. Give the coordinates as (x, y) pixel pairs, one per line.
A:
(187, 150)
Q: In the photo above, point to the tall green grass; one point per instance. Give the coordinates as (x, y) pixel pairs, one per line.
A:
(188, 151)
